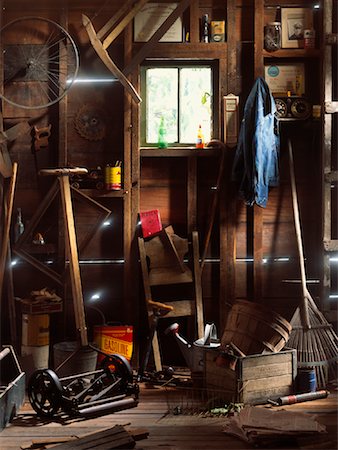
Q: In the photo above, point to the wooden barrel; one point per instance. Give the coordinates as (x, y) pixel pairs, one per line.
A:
(253, 328)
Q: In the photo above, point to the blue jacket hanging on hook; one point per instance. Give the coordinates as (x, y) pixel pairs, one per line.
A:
(256, 160)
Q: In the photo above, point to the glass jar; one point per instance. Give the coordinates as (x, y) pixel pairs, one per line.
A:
(272, 36)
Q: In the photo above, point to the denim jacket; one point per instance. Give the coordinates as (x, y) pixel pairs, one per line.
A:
(256, 160)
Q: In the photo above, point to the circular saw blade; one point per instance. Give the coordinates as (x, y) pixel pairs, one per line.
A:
(89, 122)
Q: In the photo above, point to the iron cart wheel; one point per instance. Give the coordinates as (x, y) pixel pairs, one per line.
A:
(40, 62)
(45, 392)
(117, 370)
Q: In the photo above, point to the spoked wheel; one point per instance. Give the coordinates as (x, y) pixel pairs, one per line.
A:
(118, 371)
(40, 61)
(45, 392)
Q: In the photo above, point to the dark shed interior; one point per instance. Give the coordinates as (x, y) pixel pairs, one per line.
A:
(115, 242)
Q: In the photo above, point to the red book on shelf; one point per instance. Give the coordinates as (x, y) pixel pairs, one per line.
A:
(150, 222)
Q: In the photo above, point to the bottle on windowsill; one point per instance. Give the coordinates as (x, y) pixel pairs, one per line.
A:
(162, 140)
(200, 138)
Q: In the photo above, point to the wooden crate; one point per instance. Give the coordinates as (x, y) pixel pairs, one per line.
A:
(256, 378)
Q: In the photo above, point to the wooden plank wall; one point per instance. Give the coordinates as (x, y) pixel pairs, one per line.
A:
(163, 180)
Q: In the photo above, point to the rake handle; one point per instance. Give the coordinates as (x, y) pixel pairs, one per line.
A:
(306, 294)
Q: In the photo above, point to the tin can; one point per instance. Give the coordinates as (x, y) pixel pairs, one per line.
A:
(116, 178)
(108, 177)
(309, 38)
(306, 380)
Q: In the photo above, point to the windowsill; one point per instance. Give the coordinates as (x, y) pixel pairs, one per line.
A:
(178, 152)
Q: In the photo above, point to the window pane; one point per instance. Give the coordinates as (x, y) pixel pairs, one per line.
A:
(195, 103)
(161, 100)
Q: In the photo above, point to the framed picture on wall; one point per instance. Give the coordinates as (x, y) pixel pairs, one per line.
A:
(294, 22)
(284, 78)
(151, 17)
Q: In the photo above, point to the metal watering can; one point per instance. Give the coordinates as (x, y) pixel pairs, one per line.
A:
(194, 353)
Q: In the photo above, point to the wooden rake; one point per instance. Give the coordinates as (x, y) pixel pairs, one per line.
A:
(312, 335)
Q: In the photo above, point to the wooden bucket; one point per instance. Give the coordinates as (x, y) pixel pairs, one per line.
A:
(253, 328)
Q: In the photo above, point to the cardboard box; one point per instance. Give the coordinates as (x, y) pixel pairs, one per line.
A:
(40, 308)
(35, 329)
(217, 31)
(256, 378)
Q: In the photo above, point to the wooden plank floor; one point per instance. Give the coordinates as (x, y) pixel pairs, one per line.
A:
(167, 431)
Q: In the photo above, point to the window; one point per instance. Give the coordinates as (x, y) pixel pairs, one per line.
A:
(182, 94)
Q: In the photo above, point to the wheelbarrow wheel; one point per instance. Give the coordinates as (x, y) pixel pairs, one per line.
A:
(45, 392)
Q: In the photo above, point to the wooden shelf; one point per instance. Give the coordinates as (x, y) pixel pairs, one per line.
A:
(39, 249)
(293, 53)
(188, 50)
(95, 193)
(178, 152)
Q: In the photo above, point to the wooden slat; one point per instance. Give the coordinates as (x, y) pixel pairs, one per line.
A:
(198, 286)
(124, 22)
(265, 360)
(7, 225)
(256, 232)
(182, 308)
(214, 205)
(131, 202)
(270, 370)
(227, 194)
(122, 10)
(74, 268)
(327, 72)
(116, 437)
(211, 50)
(261, 385)
(194, 21)
(147, 47)
(108, 62)
(191, 194)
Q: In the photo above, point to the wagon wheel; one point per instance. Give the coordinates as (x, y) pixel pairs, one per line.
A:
(40, 62)
(45, 392)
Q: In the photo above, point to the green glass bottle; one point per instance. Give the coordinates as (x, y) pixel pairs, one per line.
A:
(162, 141)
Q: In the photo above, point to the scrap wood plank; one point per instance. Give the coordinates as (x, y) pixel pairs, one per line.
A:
(9, 136)
(44, 442)
(115, 437)
(138, 433)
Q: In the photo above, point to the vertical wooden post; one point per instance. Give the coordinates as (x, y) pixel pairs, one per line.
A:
(127, 175)
(194, 21)
(327, 126)
(131, 206)
(256, 232)
(226, 200)
(191, 194)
